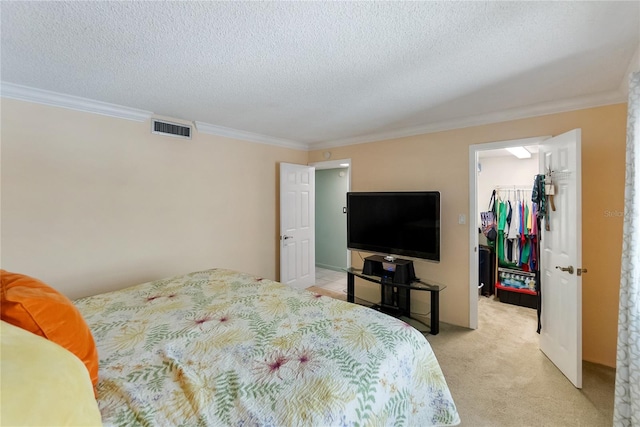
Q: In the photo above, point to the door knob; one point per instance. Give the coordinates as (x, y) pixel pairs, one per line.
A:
(285, 237)
(567, 269)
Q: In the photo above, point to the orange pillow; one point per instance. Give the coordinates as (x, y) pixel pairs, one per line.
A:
(32, 305)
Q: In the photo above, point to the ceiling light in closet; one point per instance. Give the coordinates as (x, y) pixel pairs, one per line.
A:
(519, 152)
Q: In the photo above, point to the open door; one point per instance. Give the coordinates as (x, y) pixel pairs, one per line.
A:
(297, 225)
(561, 256)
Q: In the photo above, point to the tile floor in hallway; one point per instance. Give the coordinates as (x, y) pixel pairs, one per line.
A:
(335, 281)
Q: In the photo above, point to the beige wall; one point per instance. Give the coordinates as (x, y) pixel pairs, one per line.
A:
(439, 161)
(92, 203)
(507, 172)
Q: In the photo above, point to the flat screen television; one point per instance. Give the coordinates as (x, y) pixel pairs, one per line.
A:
(405, 223)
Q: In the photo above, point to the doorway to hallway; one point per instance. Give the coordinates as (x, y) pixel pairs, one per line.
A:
(332, 180)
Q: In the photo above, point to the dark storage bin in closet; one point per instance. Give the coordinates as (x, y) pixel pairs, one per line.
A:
(515, 286)
(486, 271)
(518, 298)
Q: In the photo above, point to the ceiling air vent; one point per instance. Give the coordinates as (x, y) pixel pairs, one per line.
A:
(170, 129)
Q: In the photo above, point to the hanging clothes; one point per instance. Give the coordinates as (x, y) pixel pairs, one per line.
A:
(538, 196)
(508, 253)
(533, 259)
(512, 236)
(517, 229)
(502, 220)
(524, 238)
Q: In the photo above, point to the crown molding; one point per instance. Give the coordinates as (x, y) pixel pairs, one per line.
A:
(249, 136)
(634, 66)
(41, 96)
(55, 99)
(578, 103)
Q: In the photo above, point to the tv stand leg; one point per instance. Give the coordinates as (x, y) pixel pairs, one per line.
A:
(435, 313)
(404, 301)
(350, 287)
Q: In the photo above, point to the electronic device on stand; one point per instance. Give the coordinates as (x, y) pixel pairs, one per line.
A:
(392, 271)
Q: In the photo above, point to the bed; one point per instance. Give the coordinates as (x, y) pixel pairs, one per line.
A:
(220, 347)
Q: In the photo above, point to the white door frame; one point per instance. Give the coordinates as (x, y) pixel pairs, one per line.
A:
(474, 215)
(337, 164)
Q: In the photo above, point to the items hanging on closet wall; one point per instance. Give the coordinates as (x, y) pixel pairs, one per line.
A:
(542, 194)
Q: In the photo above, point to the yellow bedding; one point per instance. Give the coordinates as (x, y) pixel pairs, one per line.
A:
(42, 383)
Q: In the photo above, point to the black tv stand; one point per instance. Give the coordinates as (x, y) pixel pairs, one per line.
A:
(395, 287)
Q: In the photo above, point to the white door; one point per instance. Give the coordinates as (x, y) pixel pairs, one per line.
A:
(297, 225)
(561, 257)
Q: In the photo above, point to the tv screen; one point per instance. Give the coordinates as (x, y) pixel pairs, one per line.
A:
(395, 223)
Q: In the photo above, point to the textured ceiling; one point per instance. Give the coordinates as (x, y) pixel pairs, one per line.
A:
(326, 73)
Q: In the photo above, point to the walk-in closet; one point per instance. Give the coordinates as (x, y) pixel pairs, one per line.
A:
(509, 254)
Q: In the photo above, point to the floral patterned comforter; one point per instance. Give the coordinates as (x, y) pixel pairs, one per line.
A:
(219, 347)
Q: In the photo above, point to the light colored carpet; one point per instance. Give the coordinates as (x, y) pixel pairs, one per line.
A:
(499, 377)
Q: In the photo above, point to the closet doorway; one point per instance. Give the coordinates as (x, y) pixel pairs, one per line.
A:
(559, 238)
(495, 167)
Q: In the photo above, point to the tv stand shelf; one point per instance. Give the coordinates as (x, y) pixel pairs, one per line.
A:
(395, 297)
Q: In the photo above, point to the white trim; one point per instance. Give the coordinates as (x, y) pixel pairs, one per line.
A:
(496, 145)
(55, 99)
(473, 238)
(578, 103)
(634, 65)
(41, 96)
(249, 136)
(474, 149)
(332, 164)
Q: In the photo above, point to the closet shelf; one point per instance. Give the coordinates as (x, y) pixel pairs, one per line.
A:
(517, 290)
(517, 271)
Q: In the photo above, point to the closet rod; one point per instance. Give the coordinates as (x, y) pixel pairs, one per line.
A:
(513, 187)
